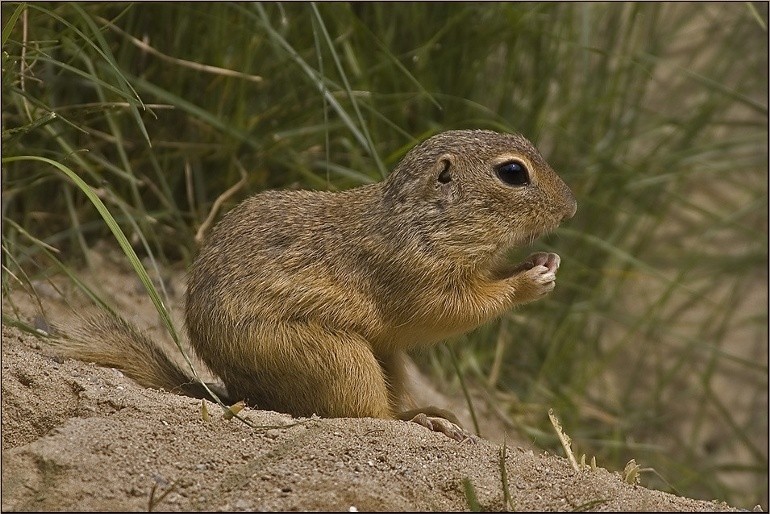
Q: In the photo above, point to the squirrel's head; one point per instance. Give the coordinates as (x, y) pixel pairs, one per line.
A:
(475, 193)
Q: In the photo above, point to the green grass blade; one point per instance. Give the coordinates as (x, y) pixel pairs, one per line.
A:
(11, 23)
(117, 233)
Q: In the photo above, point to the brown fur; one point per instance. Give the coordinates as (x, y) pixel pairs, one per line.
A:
(305, 302)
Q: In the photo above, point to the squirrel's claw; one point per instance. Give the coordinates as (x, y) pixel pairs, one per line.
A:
(446, 427)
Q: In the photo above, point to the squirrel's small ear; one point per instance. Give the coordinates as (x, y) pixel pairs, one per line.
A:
(444, 184)
(446, 174)
(445, 165)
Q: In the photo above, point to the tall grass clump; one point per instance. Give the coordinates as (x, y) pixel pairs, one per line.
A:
(654, 344)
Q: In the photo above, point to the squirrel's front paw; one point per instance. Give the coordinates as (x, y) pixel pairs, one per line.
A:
(537, 276)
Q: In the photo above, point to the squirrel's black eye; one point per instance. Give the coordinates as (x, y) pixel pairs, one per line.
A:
(513, 173)
(445, 176)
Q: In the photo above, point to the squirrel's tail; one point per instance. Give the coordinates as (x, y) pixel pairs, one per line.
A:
(109, 340)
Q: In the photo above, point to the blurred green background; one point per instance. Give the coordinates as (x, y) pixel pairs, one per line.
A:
(654, 345)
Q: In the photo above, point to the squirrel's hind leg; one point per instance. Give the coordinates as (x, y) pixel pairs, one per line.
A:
(304, 368)
(432, 418)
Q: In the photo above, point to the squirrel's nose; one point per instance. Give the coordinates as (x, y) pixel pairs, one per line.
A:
(570, 204)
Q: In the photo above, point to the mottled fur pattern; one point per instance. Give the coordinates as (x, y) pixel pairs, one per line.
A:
(305, 302)
(298, 297)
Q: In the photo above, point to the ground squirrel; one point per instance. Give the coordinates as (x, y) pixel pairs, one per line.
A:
(305, 302)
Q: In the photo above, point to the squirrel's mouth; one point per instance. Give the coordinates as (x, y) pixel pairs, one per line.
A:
(527, 239)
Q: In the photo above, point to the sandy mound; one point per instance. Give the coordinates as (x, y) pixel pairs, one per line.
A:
(81, 437)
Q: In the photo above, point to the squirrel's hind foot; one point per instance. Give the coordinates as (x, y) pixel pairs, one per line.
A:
(438, 420)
